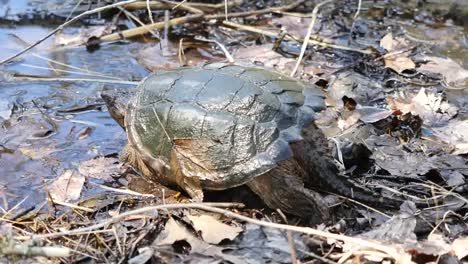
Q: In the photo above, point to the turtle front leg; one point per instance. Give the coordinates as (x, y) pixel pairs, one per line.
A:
(191, 185)
(282, 188)
(152, 168)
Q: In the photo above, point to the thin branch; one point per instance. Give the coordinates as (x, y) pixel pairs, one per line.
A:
(220, 45)
(144, 29)
(354, 20)
(256, 12)
(276, 35)
(390, 251)
(52, 79)
(150, 13)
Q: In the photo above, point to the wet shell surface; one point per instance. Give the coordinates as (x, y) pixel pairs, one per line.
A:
(228, 123)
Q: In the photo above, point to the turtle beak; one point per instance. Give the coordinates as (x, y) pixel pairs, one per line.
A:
(116, 103)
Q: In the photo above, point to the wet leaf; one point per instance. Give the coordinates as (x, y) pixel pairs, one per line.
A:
(5, 109)
(260, 244)
(212, 230)
(451, 71)
(264, 54)
(83, 36)
(358, 87)
(67, 186)
(174, 232)
(370, 114)
(296, 26)
(144, 255)
(401, 160)
(454, 133)
(36, 153)
(85, 133)
(101, 168)
(154, 58)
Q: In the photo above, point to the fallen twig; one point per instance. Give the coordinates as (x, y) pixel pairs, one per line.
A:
(307, 37)
(157, 5)
(276, 35)
(144, 29)
(255, 12)
(28, 250)
(19, 77)
(389, 251)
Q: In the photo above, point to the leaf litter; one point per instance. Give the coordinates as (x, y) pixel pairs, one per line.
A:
(393, 118)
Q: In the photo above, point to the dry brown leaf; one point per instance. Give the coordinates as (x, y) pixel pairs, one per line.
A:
(451, 71)
(460, 246)
(67, 186)
(387, 42)
(400, 61)
(212, 230)
(390, 43)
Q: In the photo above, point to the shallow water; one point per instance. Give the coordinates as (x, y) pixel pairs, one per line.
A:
(31, 152)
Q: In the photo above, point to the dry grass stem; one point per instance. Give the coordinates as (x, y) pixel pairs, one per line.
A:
(307, 37)
(20, 77)
(277, 35)
(390, 252)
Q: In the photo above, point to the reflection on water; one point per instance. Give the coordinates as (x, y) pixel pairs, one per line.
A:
(37, 140)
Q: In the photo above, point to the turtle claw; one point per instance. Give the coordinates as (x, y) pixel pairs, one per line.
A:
(193, 190)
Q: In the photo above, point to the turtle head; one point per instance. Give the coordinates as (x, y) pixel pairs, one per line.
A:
(116, 100)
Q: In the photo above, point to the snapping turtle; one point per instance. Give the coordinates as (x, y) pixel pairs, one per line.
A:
(221, 126)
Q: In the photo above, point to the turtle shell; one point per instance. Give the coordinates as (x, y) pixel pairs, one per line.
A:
(231, 122)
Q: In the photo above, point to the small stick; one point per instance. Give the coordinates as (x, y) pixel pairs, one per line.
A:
(220, 45)
(275, 35)
(390, 251)
(129, 14)
(77, 207)
(354, 20)
(26, 250)
(52, 79)
(202, 6)
(142, 30)
(307, 38)
(150, 14)
(256, 12)
(226, 9)
(290, 239)
(183, 6)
